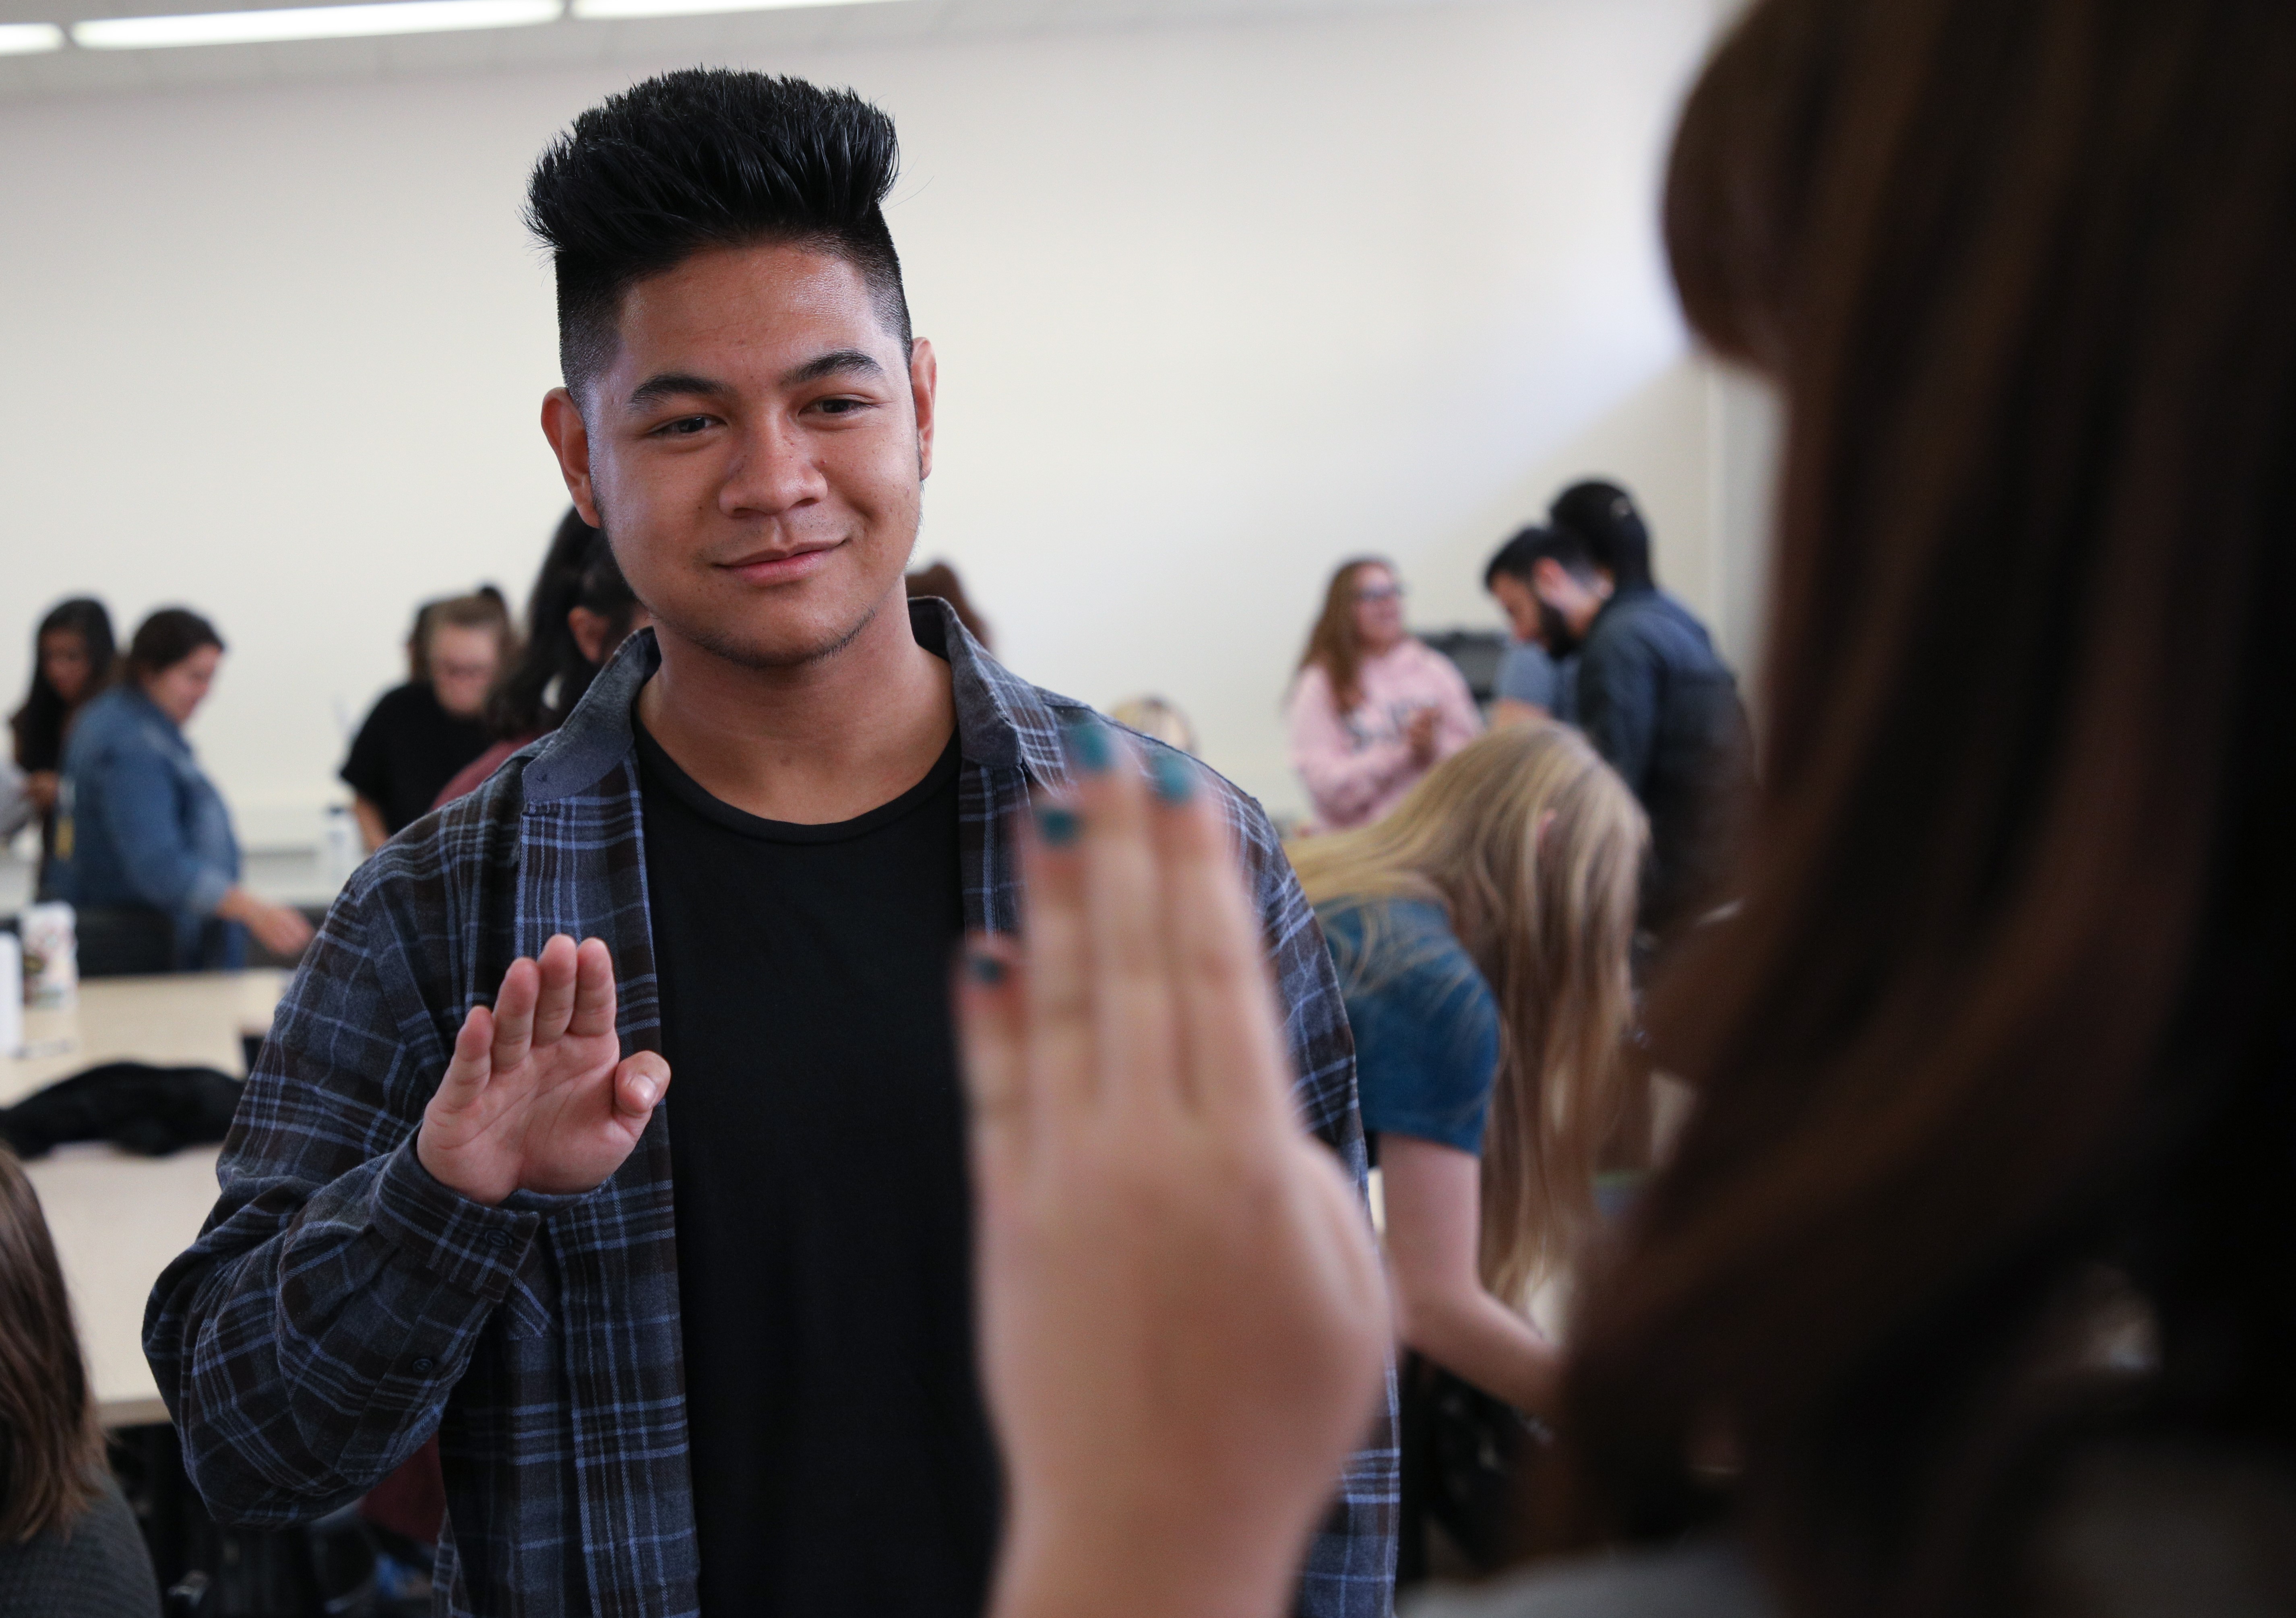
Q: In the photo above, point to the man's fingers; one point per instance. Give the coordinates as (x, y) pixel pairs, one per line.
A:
(1231, 1041)
(514, 1014)
(1131, 989)
(1056, 993)
(991, 1026)
(472, 1062)
(553, 1008)
(594, 991)
(639, 1083)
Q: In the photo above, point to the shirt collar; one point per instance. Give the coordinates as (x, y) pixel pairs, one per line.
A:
(1002, 720)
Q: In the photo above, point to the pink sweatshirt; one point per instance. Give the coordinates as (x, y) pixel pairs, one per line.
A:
(1358, 766)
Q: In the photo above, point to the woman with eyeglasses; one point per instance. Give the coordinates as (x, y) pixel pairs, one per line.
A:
(1374, 709)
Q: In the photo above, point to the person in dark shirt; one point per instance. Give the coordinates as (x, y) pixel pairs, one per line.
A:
(672, 1249)
(420, 735)
(1658, 704)
(73, 653)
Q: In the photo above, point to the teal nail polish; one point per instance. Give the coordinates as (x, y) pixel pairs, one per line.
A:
(1088, 746)
(987, 969)
(1059, 826)
(1175, 777)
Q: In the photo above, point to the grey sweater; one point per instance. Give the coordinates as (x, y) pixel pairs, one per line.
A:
(96, 1568)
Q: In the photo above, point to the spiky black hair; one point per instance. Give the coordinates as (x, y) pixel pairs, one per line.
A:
(707, 157)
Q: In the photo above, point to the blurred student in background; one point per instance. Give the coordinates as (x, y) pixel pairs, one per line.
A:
(1154, 716)
(1965, 1290)
(1373, 708)
(419, 734)
(1532, 683)
(1481, 931)
(144, 841)
(71, 661)
(578, 616)
(70, 1547)
(1658, 703)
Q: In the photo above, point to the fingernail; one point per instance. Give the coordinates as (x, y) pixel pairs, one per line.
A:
(1175, 777)
(1057, 825)
(1088, 746)
(987, 969)
(645, 1087)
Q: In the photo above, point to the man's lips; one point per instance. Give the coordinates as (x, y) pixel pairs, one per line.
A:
(781, 566)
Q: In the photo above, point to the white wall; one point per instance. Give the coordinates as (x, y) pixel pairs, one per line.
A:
(1215, 306)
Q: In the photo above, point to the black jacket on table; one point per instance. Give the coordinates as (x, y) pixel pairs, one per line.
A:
(1662, 708)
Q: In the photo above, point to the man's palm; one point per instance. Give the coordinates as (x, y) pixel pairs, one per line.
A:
(536, 1097)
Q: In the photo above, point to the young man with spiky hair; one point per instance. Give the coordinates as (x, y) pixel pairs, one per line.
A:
(714, 1354)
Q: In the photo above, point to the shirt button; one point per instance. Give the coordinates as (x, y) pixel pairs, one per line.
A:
(424, 1365)
(498, 1238)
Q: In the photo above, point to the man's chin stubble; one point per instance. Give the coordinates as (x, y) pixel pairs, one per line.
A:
(744, 654)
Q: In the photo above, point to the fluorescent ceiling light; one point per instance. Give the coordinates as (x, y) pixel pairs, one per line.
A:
(28, 38)
(311, 22)
(602, 10)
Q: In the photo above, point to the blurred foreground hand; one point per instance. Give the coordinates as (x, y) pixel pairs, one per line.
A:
(1183, 1319)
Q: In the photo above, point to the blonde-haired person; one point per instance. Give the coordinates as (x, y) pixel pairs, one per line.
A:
(1157, 717)
(1481, 932)
(69, 1544)
(1373, 708)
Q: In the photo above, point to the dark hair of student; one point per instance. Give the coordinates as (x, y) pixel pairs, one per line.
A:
(1332, 645)
(940, 579)
(1564, 547)
(709, 158)
(1999, 1044)
(50, 1444)
(539, 689)
(1515, 558)
(38, 725)
(1604, 515)
(166, 639)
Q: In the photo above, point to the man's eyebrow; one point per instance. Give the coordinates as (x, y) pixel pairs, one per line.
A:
(840, 362)
(676, 384)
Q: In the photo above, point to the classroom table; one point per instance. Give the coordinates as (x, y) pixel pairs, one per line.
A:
(117, 1219)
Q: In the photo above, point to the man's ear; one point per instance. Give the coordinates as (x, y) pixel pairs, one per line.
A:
(924, 383)
(569, 441)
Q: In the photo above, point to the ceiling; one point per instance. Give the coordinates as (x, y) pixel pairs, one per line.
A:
(569, 43)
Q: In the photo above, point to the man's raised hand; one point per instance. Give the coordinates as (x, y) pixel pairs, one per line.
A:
(537, 1097)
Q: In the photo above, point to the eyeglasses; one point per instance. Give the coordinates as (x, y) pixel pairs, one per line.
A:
(1380, 592)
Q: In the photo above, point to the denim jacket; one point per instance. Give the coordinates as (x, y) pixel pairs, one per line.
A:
(341, 1305)
(138, 822)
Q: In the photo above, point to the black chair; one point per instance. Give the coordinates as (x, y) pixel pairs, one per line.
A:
(1476, 652)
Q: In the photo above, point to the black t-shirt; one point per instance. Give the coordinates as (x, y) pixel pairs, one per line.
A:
(407, 751)
(841, 1455)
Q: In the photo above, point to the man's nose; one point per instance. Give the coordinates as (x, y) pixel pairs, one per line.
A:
(773, 471)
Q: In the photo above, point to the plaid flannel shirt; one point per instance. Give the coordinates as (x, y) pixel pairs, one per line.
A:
(340, 1305)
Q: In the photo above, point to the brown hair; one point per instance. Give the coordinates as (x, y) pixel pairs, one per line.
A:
(1534, 847)
(166, 639)
(50, 1446)
(1332, 645)
(2003, 1010)
(483, 608)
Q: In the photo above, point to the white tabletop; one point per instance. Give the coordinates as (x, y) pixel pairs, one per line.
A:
(120, 1219)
